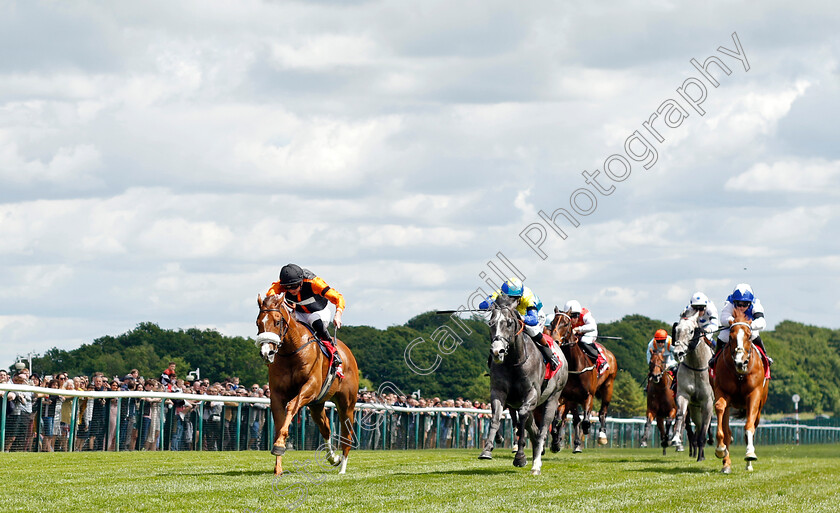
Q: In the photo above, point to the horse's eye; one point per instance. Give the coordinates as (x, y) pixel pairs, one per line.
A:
(277, 322)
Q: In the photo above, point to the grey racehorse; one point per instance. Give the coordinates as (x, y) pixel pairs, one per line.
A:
(694, 390)
(516, 382)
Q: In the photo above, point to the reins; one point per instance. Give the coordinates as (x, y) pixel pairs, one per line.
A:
(286, 326)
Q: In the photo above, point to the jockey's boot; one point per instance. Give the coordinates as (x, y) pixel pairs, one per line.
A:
(324, 335)
(592, 352)
(760, 343)
(548, 354)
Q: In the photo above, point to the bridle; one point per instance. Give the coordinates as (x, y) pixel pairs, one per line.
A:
(282, 322)
(658, 365)
(747, 339)
(566, 340)
(506, 338)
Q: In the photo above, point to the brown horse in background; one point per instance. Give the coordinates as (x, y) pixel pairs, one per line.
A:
(583, 386)
(297, 371)
(739, 383)
(660, 400)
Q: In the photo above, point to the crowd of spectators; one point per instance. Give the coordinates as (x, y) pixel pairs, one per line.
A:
(43, 421)
(433, 429)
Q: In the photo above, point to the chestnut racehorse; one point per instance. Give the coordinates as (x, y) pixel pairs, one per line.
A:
(297, 371)
(660, 400)
(583, 386)
(739, 383)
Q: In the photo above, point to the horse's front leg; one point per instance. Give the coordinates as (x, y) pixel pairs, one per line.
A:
(278, 411)
(292, 408)
(646, 432)
(753, 405)
(663, 435)
(679, 422)
(723, 434)
(497, 403)
(524, 414)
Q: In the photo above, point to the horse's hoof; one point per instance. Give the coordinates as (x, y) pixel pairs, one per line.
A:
(520, 462)
(603, 440)
(643, 445)
(721, 452)
(577, 450)
(750, 456)
(555, 448)
(335, 459)
(680, 448)
(726, 470)
(278, 450)
(535, 472)
(485, 455)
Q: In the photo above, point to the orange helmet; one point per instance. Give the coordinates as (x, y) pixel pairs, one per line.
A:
(660, 335)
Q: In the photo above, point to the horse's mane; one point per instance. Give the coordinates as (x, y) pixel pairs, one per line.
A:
(740, 316)
(273, 301)
(504, 301)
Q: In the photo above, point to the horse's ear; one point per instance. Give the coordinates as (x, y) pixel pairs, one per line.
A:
(259, 300)
(556, 310)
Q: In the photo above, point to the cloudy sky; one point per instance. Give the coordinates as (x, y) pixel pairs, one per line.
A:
(160, 161)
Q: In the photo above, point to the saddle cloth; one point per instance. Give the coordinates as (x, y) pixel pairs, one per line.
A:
(556, 350)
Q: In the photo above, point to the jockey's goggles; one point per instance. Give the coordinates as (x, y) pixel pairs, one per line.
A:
(292, 286)
(699, 308)
(742, 304)
(574, 315)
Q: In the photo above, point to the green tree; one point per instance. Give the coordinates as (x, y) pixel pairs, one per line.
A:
(628, 399)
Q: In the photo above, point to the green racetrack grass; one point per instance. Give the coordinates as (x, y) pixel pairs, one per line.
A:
(786, 478)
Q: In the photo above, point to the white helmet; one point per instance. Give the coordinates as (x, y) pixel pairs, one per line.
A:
(572, 306)
(699, 299)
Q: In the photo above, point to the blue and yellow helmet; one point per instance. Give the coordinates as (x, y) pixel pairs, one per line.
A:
(513, 287)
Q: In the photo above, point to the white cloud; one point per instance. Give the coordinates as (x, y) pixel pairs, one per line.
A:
(816, 175)
(163, 165)
(70, 167)
(327, 51)
(620, 296)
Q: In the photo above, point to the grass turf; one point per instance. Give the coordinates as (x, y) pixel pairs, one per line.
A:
(786, 478)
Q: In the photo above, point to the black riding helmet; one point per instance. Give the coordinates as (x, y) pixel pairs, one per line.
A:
(290, 275)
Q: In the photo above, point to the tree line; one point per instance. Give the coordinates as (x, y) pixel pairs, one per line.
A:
(807, 359)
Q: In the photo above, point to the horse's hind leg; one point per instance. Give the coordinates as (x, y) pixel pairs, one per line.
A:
(606, 397)
(525, 416)
(576, 424)
(556, 434)
(346, 412)
(319, 416)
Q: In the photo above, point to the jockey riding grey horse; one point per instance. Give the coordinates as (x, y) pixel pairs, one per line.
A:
(516, 382)
(694, 390)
